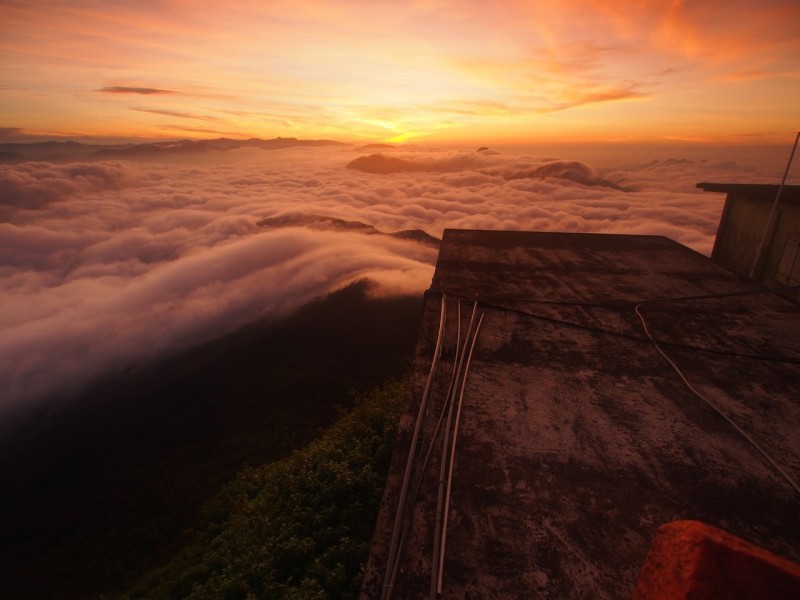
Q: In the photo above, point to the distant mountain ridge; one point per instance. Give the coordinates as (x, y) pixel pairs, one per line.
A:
(70, 151)
(327, 223)
(572, 170)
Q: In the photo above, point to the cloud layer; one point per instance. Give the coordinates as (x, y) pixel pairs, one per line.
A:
(111, 264)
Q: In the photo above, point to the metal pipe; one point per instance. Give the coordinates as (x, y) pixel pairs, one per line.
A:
(453, 456)
(421, 467)
(423, 464)
(388, 578)
(437, 534)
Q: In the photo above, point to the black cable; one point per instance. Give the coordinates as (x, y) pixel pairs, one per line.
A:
(629, 336)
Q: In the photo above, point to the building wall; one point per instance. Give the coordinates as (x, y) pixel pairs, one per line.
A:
(739, 234)
(741, 228)
(782, 267)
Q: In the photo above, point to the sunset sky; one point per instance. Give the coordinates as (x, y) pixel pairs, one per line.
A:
(425, 70)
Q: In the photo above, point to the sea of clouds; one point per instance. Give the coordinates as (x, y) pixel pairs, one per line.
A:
(111, 264)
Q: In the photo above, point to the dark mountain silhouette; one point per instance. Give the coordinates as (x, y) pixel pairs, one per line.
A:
(575, 171)
(220, 145)
(326, 223)
(51, 151)
(98, 490)
(70, 151)
(320, 222)
(571, 170)
(418, 235)
(10, 157)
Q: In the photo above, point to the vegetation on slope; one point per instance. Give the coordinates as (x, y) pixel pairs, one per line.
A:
(100, 489)
(297, 528)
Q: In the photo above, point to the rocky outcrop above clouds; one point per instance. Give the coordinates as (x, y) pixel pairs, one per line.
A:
(483, 162)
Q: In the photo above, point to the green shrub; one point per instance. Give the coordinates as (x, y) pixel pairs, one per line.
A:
(298, 528)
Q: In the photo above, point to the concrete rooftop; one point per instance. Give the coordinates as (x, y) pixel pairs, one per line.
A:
(575, 438)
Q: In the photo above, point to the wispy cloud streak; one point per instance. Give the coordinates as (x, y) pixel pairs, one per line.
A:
(175, 113)
(144, 91)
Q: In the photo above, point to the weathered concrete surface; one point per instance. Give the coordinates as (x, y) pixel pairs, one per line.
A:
(577, 440)
(690, 560)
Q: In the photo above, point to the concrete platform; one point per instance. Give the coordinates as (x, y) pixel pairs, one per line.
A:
(576, 439)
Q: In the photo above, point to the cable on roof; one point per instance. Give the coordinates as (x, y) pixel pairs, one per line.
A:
(450, 403)
(453, 453)
(627, 302)
(394, 546)
(775, 359)
(407, 500)
(718, 410)
(658, 344)
(424, 463)
(401, 519)
(789, 288)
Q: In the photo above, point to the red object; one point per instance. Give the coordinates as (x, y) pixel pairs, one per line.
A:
(692, 560)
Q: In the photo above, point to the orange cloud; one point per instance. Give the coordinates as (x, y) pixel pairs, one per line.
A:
(121, 89)
(479, 108)
(575, 98)
(401, 69)
(174, 113)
